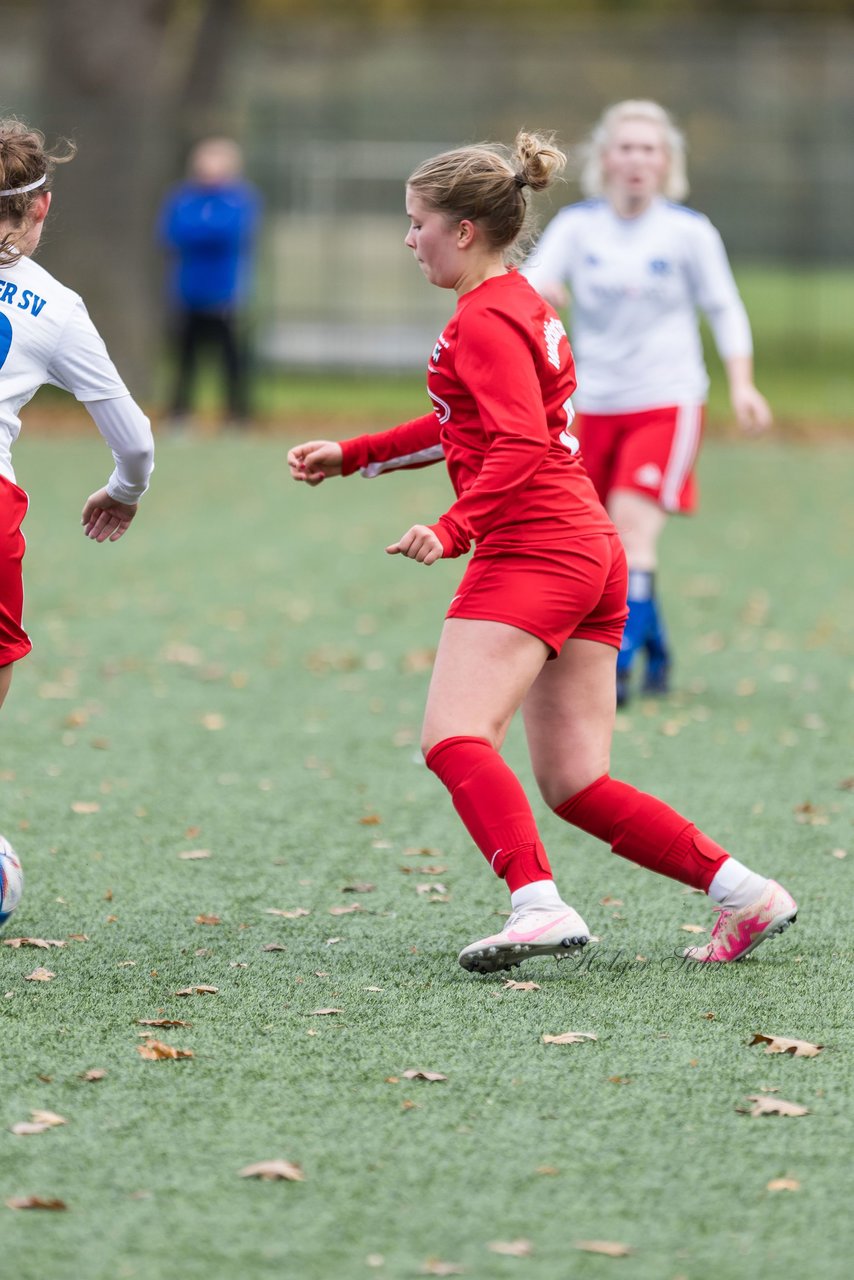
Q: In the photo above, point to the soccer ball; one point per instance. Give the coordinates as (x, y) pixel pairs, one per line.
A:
(11, 880)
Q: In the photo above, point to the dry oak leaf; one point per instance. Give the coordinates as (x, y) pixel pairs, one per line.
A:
(609, 1247)
(205, 919)
(765, 1106)
(85, 806)
(693, 928)
(287, 915)
(96, 1073)
(156, 1050)
(370, 820)
(512, 985)
(783, 1184)
(511, 1248)
(44, 943)
(569, 1037)
(436, 1267)
(344, 911)
(162, 1022)
(35, 1202)
(41, 1121)
(780, 1044)
(193, 855)
(274, 1170)
(39, 975)
(274, 946)
(197, 991)
(413, 1074)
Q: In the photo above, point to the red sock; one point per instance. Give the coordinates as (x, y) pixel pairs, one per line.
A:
(495, 810)
(645, 830)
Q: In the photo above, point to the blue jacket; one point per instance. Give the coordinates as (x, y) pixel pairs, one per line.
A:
(211, 232)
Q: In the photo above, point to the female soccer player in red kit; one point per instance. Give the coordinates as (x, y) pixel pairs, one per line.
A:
(537, 620)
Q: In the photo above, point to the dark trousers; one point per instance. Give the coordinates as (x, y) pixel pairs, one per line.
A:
(216, 332)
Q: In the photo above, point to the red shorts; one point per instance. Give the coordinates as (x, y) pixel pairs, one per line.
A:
(554, 593)
(652, 453)
(14, 641)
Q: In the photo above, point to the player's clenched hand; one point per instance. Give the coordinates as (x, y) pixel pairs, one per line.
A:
(315, 460)
(751, 409)
(418, 543)
(104, 518)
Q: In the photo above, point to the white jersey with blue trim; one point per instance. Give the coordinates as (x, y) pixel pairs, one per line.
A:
(46, 336)
(636, 287)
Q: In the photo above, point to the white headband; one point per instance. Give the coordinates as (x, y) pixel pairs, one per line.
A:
(19, 191)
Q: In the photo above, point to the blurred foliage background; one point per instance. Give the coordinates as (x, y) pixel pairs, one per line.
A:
(335, 101)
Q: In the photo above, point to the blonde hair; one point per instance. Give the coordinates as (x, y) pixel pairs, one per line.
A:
(23, 160)
(592, 178)
(486, 183)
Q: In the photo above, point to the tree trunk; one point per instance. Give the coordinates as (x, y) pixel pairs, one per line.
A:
(112, 82)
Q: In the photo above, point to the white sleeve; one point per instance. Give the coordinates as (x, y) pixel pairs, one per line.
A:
(81, 363)
(717, 294)
(128, 433)
(550, 261)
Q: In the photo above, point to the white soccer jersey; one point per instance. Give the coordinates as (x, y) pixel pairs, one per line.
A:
(636, 285)
(46, 335)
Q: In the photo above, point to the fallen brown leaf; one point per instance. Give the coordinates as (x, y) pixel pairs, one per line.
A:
(512, 985)
(213, 721)
(156, 1050)
(274, 946)
(44, 943)
(779, 1044)
(205, 919)
(511, 1248)
(35, 1202)
(359, 886)
(783, 1184)
(39, 975)
(320, 1013)
(162, 1022)
(85, 806)
(344, 911)
(423, 1075)
(370, 820)
(197, 991)
(48, 1118)
(436, 1267)
(274, 1170)
(693, 928)
(569, 1037)
(287, 915)
(547, 1170)
(194, 855)
(765, 1106)
(96, 1073)
(609, 1247)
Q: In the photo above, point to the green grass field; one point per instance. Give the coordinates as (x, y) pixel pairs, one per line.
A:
(244, 674)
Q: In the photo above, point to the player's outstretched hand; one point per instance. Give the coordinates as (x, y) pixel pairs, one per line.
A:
(106, 519)
(418, 543)
(313, 461)
(752, 410)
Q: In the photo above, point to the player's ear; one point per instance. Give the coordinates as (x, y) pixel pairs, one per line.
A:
(40, 206)
(465, 233)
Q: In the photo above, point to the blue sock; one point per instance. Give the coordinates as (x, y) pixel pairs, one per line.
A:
(641, 617)
(656, 641)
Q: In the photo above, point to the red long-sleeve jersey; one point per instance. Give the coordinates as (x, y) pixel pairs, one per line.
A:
(501, 377)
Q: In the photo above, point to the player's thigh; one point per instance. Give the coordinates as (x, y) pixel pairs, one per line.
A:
(569, 715)
(482, 672)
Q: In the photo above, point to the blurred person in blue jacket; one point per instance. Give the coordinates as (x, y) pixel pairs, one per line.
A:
(209, 223)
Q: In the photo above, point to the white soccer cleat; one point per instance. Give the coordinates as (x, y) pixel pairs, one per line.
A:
(534, 930)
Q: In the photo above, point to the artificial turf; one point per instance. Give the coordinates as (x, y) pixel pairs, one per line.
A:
(244, 674)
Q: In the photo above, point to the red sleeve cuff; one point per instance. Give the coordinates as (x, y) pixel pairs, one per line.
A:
(454, 541)
(353, 455)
